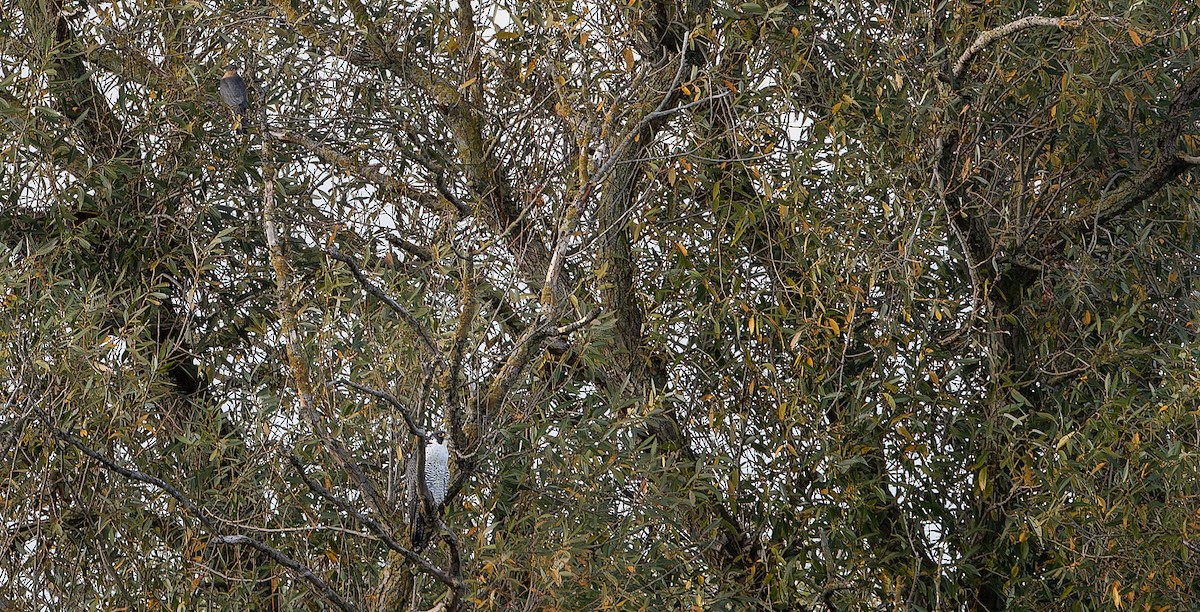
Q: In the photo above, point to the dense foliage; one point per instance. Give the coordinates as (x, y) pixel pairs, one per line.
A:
(818, 305)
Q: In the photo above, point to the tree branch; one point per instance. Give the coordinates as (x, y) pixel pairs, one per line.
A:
(987, 38)
(374, 290)
(375, 528)
(302, 570)
(202, 515)
(413, 428)
(1166, 168)
(369, 172)
(290, 330)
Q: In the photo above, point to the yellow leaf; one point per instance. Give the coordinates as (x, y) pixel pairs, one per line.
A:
(1063, 441)
(469, 82)
(628, 54)
(682, 249)
(529, 67)
(507, 35)
(1137, 40)
(583, 36)
(1087, 317)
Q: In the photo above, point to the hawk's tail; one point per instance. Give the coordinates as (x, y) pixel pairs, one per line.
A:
(419, 534)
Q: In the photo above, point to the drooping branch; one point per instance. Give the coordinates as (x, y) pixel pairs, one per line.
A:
(201, 515)
(130, 473)
(296, 567)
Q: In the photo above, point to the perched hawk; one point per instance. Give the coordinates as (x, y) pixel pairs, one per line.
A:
(233, 92)
(437, 480)
(437, 468)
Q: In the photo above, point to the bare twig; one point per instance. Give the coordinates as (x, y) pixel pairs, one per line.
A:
(675, 109)
(577, 325)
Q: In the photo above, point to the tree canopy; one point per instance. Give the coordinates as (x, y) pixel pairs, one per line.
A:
(805, 306)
